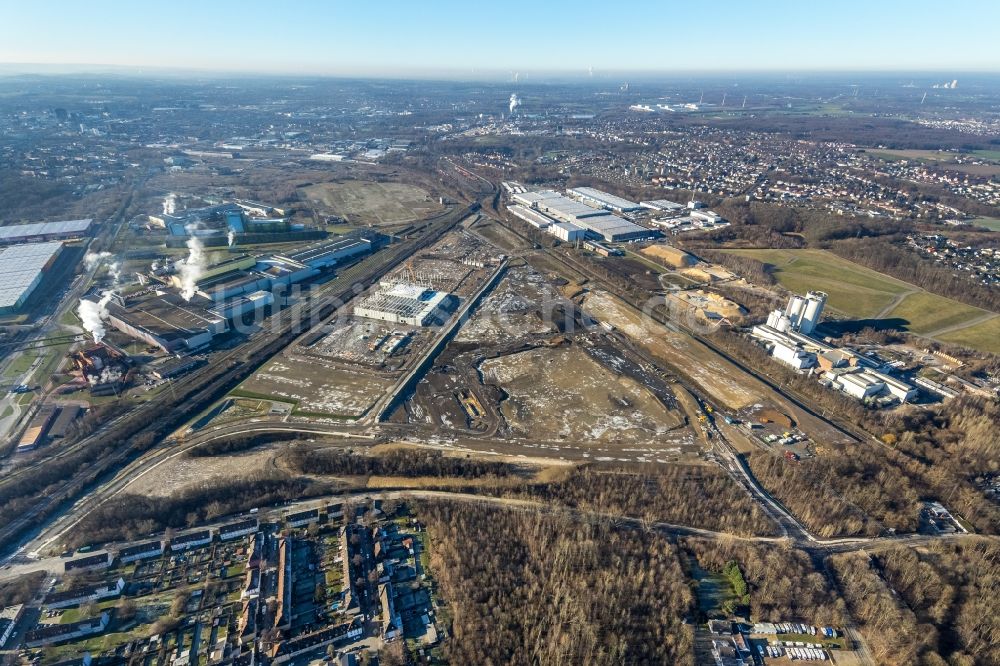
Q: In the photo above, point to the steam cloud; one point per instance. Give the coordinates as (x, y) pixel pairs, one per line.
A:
(93, 315)
(107, 376)
(92, 260)
(192, 268)
(169, 204)
(231, 238)
(515, 102)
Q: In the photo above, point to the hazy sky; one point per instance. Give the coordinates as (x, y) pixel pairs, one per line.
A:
(472, 37)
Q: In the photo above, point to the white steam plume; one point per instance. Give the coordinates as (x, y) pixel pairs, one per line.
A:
(92, 259)
(192, 268)
(94, 314)
(107, 376)
(231, 238)
(169, 204)
(515, 102)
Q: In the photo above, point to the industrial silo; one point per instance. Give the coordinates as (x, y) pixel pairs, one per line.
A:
(815, 300)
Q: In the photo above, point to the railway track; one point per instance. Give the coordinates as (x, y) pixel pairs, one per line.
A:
(203, 387)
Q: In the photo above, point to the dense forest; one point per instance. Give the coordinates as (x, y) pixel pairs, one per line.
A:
(842, 495)
(528, 588)
(783, 584)
(401, 461)
(23, 197)
(928, 455)
(695, 495)
(933, 606)
(134, 516)
(949, 448)
(754, 270)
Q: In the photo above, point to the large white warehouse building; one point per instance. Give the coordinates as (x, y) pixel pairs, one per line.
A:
(404, 303)
(601, 199)
(598, 222)
(22, 268)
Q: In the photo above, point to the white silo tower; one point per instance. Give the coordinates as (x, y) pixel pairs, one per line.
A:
(796, 306)
(815, 300)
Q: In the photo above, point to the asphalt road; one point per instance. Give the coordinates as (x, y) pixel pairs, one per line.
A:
(44, 534)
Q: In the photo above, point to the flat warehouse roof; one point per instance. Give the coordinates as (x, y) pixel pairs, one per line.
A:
(661, 204)
(321, 249)
(169, 315)
(15, 231)
(605, 197)
(530, 215)
(610, 224)
(20, 266)
(570, 207)
(534, 197)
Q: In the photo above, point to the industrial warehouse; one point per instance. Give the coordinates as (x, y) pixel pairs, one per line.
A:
(44, 231)
(571, 219)
(403, 303)
(223, 294)
(240, 217)
(22, 269)
(168, 321)
(599, 199)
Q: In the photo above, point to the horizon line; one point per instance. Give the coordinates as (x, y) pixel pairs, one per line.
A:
(8, 69)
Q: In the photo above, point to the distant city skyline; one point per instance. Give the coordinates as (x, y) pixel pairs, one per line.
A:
(469, 40)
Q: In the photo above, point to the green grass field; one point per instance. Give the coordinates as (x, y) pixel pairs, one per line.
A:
(890, 155)
(20, 365)
(985, 336)
(987, 154)
(927, 312)
(854, 290)
(859, 292)
(991, 223)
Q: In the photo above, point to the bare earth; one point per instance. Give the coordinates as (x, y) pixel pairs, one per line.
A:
(563, 394)
(364, 202)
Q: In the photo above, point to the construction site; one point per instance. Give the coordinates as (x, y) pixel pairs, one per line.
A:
(531, 367)
(352, 361)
